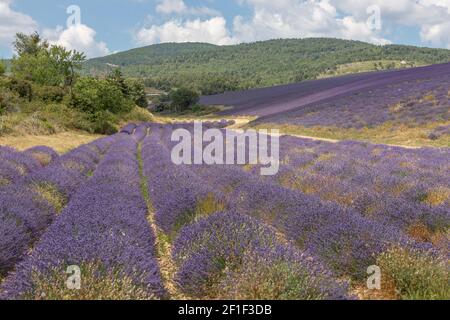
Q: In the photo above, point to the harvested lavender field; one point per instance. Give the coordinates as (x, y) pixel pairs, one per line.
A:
(140, 227)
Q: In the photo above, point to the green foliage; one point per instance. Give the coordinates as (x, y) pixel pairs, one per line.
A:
(2, 68)
(93, 95)
(43, 64)
(116, 78)
(68, 63)
(136, 92)
(40, 97)
(22, 87)
(29, 44)
(183, 99)
(417, 275)
(102, 123)
(8, 100)
(49, 93)
(211, 69)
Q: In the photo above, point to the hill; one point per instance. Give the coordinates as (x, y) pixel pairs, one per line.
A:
(213, 69)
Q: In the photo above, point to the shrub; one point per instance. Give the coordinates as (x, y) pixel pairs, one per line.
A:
(22, 87)
(2, 68)
(8, 100)
(102, 123)
(417, 275)
(49, 93)
(182, 99)
(92, 95)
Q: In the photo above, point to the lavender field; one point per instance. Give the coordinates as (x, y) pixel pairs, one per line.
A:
(361, 106)
(139, 227)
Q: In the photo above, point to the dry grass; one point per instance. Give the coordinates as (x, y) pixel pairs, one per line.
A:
(438, 196)
(387, 291)
(60, 142)
(51, 194)
(96, 284)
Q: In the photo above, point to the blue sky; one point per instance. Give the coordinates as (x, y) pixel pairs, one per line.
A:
(108, 26)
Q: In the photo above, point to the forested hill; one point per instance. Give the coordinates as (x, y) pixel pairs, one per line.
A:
(212, 69)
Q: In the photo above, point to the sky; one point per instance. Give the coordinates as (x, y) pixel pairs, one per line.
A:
(102, 27)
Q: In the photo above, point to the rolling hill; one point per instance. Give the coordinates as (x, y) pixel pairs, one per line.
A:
(213, 69)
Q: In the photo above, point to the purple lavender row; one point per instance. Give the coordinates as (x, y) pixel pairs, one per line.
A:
(303, 218)
(15, 165)
(178, 196)
(44, 155)
(129, 128)
(104, 231)
(416, 102)
(141, 132)
(348, 101)
(28, 207)
(401, 187)
(204, 249)
(344, 240)
(232, 256)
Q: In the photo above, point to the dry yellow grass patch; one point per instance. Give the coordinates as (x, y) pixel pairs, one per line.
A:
(438, 196)
(387, 291)
(51, 194)
(60, 142)
(420, 232)
(43, 158)
(4, 181)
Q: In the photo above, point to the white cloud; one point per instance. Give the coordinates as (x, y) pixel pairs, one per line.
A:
(12, 22)
(430, 16)
(171, 6)
(268, 19)
(297, 18)
(179, 7)
(79, 37)
(213, 30)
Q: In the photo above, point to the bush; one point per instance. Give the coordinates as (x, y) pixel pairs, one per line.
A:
(8, 100)
(22, 87)
(49, 93)
(417, 275)
(2, 68)
(92, 96)
(102, 123)
(183, 99)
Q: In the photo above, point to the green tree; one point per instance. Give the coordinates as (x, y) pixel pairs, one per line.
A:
(43, 64)
(29, 44)
(182, 99)
(116, 77)
(136, 90)
(67, 62)
(93, 95)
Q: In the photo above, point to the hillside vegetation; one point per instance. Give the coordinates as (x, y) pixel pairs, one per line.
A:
(43, 93)
(212, 69)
